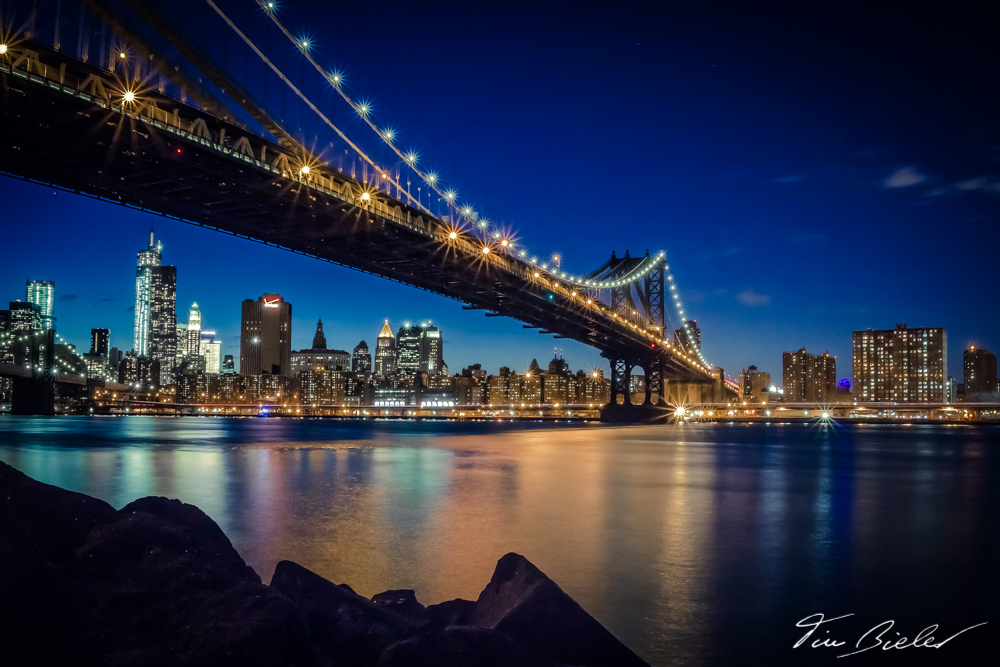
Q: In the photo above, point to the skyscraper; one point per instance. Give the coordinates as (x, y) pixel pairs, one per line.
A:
(901, 364)
(808, 378)
(42, 293)
(265, 336)
(408, 348)
(100, 342)
(385, 352)
(431, 351)
(980, 371)
(163, 320)
(211, 349)
(228, 367)
(145, 261)
(689, 336)
(361, 359)
(24, 316)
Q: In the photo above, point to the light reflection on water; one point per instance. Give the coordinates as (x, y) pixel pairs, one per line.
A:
(695, 544)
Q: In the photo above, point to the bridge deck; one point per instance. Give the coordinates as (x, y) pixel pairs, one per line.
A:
(71, 129)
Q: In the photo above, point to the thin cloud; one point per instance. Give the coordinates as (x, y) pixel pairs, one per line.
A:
(904, 178)
(730, 251)
(987, 184)
(130, 308)
(787, 180)
(105, 300)
(753, 299)
(67, 297)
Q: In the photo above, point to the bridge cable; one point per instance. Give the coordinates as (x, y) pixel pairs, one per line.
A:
(303, 97)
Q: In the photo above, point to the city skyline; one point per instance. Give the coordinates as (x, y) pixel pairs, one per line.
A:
(303, 332)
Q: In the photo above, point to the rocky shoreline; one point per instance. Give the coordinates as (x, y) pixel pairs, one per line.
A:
(158, 583)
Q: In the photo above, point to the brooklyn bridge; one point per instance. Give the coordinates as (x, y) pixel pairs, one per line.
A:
(149, 119)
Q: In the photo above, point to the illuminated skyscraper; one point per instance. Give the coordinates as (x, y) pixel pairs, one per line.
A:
(980, 371)
(100, 342)
(901, 364)
(163, 320)
(265, 336)
(385, 352)
(689, 336)
(808, 378)
(42, 293)
(145, 261)
(361, 359)
(408, 348)
(211, 349)
(431, 351)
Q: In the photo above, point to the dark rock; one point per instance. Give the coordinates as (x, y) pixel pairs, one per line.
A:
(529, 608)
(164, 585)
(402, 603)
(452, 612)
(57, 520)
(459, 646)
(347, 628)
(41, 526)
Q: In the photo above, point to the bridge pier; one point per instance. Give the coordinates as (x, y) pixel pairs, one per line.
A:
(34, 395)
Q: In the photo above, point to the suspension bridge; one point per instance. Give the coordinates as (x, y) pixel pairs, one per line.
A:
(145, 117)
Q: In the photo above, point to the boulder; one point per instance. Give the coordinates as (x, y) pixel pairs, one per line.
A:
(529, 608)
(402, 603)
(459, 646)
(347, 628)
(163, 585)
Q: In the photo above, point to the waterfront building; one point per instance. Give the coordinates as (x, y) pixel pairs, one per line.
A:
(228, 367)
(809, 378)
(265, 336)
(319, 356)
(754, 385)
(145, 261)
(385, 352)
(558, 383)
(901, 365)
(432, 351)
(211, 350)
(409, 348)
(505, 388)
(533, 385)
(980, 371)
(688, 336)
(42, 293)
(163, 320)
(100, 342)
(324, 386)
(361, 359)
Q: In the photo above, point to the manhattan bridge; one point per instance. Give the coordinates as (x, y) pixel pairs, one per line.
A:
(120, 100)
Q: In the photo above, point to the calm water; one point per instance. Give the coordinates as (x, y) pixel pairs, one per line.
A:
(695, 544)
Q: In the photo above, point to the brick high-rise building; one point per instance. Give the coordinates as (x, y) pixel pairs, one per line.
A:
(902, 365)
(808, 378)
(266, 336)
(980, 371)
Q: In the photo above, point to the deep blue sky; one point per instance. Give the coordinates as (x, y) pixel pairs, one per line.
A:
(809, 169)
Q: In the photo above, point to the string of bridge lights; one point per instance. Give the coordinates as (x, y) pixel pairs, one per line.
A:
(364, 109)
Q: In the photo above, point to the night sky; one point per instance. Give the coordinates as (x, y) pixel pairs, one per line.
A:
(810, 169)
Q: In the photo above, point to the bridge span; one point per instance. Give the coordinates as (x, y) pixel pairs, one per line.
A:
(80, 127)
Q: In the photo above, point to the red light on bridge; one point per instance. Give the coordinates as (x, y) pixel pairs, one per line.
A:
(179, 151)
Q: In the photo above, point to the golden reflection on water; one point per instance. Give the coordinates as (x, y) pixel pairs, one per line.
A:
(673, 537)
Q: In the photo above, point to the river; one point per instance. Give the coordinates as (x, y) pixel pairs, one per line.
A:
(696, 544)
